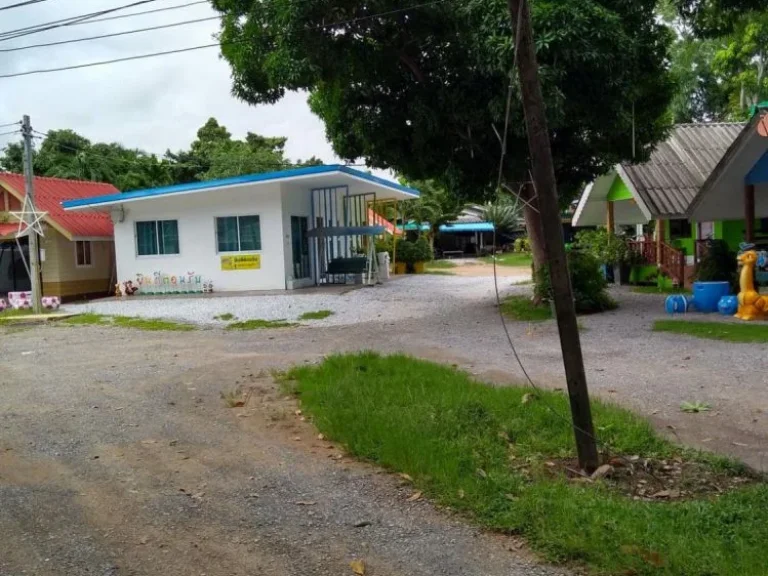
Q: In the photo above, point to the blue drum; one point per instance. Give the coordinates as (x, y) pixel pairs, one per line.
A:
(706, 295)
(676, 304)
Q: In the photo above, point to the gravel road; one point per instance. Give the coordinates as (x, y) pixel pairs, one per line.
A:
(117, 455)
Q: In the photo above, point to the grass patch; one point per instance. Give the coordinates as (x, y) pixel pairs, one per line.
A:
(441, 264)
(10, 317)
(87, 319)
(439, 272)
(659, 290)
(510, 259)
(151, 324)
(727, 331)
(483, 450)
(523, 309)
(316, 315)
(226, 317)
(260, 324)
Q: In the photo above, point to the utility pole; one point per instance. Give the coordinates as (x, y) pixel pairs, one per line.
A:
(546, 189)
(34, 240)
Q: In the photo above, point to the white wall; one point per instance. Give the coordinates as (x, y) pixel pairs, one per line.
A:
(195, 214)
(296, 201)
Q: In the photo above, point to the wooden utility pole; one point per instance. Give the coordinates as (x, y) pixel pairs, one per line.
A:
(546, 188)
(34, 239)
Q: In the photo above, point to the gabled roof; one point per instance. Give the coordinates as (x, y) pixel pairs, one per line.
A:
(329, 175)
(679, 166)
(49, 195)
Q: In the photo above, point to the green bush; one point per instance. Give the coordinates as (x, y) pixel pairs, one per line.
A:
(521, 244)
(384, 244)
(718, 264)
(424, 252)
(587, 281)
(411, 252)
(606, 247)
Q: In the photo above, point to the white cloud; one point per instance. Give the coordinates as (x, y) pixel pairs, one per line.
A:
(153, 104)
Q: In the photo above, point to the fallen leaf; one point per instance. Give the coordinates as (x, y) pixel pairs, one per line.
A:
(740, 444)
(602, 472)
(406, 477)
(143, 540)
(661, 494)
(238, 404)
(527, 397)
(321, 437)
(358, 567)
(298, 412)
(461, 493)
(510, 497)
(482, 473)
(306, 503)
(415, 496)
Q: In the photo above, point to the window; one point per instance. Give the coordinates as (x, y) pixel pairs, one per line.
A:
(83, 256)
(679, 229)
(157, 237)
(238, 234)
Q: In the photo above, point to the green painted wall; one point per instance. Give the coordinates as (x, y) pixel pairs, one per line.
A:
(732, 233)
(682, 243)
(619, 191)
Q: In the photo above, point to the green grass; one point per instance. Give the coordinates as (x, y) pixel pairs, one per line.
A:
(659, 290)
(260, 324)
(439, 272)
(151, 324)
(441, 264)
(227, 316)
(9, 317)
(87, 319)
(510, 259)
(317, 315)
(468, 446)
(727, 331)
(521, 308)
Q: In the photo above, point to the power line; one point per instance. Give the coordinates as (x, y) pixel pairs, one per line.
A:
(7, 35)
(121, 16)
(206, 46)
(10, 124)
(11, 132)
(124, 33)
(21, 4)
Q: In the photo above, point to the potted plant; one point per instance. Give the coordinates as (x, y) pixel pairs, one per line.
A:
(422, 253)
(403, 256)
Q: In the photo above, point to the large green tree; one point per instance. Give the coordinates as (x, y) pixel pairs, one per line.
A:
(422, 87)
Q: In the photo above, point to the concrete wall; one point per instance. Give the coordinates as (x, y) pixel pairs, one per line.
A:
(198, 255)
(61, 275)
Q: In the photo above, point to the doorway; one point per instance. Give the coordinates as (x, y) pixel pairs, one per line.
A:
(300, 247)
(13, 273)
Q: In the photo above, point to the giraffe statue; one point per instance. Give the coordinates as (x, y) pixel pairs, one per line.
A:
(751, 304)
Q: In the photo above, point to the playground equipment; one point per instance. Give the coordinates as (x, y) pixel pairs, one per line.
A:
(676, 304)
(751, 304)
(728, 305)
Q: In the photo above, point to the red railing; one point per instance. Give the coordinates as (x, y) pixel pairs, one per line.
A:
(672, 260)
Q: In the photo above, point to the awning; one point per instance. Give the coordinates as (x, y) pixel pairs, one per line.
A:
(346, 231)
(467, 227)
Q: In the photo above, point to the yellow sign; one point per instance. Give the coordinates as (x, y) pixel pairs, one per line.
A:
(242, 262)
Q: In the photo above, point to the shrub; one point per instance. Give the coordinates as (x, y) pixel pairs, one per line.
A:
(411, 252)
(606, 247)
(718, 264)
(384, 244)
(423, 250)
(587, 281)
(517, 246)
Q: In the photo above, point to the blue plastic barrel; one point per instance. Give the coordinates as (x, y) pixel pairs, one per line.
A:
(728, 305)
(676, 304)
(706, 295)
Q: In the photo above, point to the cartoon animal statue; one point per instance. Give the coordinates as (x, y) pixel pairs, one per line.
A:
(751, 304)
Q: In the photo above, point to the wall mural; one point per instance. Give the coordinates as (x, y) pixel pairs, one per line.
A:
(160, 283)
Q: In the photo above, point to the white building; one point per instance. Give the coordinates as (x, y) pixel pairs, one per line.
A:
(278, 230)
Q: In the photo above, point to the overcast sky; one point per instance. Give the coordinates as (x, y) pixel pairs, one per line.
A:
(152, 104)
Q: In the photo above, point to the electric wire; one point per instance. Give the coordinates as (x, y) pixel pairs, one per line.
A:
(212, 45)
(110, 35)
(17, 123)
(21, 4)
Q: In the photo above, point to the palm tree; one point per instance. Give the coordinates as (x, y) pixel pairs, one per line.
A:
(435, 207)
(505, 216)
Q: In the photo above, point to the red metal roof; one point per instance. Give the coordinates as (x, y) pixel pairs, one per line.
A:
(51, 192)
(6, 229)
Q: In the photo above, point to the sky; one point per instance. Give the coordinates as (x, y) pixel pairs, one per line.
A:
(153, 104)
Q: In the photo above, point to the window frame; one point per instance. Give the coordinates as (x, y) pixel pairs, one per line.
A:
(158, 238)
(239, 250)
(87, 262)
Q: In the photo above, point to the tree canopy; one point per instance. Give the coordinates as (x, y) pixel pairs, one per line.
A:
(420, 89)
(213, 154)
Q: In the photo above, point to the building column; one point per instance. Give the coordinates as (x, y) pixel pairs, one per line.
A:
(610, 221)
(749, 213)
(659, 240)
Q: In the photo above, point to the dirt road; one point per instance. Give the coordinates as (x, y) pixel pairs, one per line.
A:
(118, 456)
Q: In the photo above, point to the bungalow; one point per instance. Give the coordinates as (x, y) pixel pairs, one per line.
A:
(683, 195)
(77, 249)
(272, 231)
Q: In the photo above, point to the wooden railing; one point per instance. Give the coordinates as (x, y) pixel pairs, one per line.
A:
(672, 260)
(700, 248)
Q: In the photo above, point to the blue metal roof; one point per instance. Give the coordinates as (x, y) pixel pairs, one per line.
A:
(467, 227)
(246, 179)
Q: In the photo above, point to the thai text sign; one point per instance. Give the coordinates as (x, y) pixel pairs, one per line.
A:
(241, 262)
